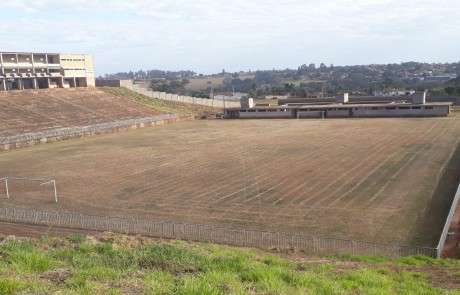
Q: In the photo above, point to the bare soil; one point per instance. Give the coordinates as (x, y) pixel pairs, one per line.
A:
(366, 179)
(33, 111)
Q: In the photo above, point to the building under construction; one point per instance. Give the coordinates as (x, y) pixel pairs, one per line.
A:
(27, 70)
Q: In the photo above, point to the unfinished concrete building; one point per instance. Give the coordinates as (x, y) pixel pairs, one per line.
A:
(342, 107)
(27, 70)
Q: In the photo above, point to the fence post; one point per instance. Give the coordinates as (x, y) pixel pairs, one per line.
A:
(135, 226)
(277, 234)
(213, 232)
(353, 247)
(162, 229)
(6, 187)
(81, 220)
(107, 223)
(174, 230)
(314, 245)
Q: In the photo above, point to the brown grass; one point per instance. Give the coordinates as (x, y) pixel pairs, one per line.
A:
(368, 179)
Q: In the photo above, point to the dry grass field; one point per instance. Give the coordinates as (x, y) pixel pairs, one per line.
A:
(366, 179)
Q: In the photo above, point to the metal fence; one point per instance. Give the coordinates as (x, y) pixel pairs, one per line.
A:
(213, 234)
(64, 132)
(445, 230)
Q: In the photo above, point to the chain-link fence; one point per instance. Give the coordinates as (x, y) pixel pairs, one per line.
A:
(66, 132)
(213, 234)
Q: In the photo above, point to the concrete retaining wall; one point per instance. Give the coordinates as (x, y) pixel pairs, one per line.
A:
(26, 140)
(187, 99)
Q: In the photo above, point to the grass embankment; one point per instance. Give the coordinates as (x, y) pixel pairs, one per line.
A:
(167, 107)
(115, 264)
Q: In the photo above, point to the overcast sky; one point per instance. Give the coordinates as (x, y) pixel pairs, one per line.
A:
(207, 36)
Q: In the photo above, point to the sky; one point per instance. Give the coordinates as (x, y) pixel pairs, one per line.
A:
(207, 36)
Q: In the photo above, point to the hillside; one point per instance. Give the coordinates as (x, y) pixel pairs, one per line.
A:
(34, 111)
(162, 105)
(116, 264)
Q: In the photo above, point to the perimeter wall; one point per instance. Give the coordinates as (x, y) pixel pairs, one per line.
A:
(187, 99)
(30, 139)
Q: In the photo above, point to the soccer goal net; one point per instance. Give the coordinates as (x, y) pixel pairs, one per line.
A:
(29, 186)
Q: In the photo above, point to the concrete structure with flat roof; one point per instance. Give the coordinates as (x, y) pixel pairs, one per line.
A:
(28, 70)
(341, 108)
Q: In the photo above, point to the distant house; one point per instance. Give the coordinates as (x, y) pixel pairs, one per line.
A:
(276, 96)
(229, 95)
(439, 79)
(393, 92)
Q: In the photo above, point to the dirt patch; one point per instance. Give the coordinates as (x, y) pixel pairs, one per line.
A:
(58, 276)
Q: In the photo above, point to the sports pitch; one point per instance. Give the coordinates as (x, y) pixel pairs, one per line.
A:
(365, 179)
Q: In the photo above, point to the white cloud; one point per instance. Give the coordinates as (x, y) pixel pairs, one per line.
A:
(206, 35)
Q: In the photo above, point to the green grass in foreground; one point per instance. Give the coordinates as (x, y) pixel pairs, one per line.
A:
(167, 107)
(116, 264)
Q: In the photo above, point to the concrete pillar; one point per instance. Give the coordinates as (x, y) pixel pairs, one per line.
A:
(341, 98)
(3, 84)
(20, 84)
(1, 64)
(34, 83)
(419, 98)
(33, 65)
(48, 82)
(74, 82)
(62, 82)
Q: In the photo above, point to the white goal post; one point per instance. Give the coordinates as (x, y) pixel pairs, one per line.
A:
(44, 182)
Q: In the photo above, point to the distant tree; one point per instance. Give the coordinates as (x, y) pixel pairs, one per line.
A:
(185, 81)
(452, 90)
(438, 92)
(236, 82)
(254, 90)
(162, 86)
(388, 82)
(200, 94)
(174, 86)
(289, 88)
